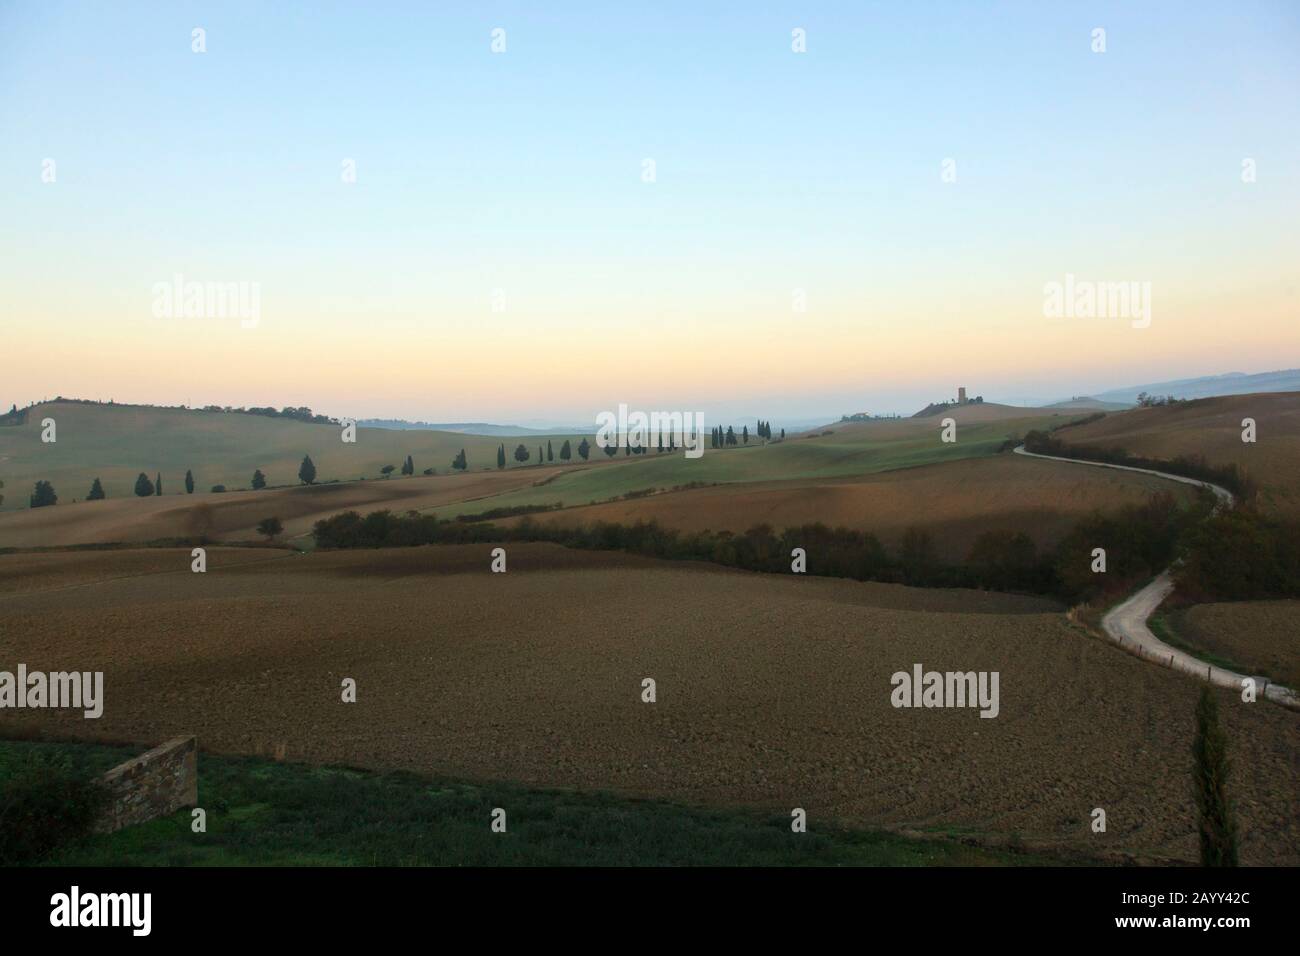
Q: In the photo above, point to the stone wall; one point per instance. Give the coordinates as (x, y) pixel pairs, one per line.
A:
(152, 785)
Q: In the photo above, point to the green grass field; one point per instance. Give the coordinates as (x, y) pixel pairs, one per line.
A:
(115, 443)
(859, 450)
(262, 813)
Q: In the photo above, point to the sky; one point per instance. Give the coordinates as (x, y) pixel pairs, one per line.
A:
(862, 226)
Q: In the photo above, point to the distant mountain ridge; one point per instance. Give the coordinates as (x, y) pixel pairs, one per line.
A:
(463, 428)
(1208, 386)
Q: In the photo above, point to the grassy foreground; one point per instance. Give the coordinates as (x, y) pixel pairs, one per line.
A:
(262, 813)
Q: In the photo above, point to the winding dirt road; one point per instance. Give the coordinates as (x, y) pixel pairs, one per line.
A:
(1126, 623)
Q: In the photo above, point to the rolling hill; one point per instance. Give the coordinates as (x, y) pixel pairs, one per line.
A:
(953, 501)
(234, 516)
(1210, 386)
(117, 442)
(839, 451)
(1212, 427)
(882, 476)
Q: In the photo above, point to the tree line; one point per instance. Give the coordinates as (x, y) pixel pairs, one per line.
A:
(44, 495)
(1189, 466)
(723, 438)
(1139, 540)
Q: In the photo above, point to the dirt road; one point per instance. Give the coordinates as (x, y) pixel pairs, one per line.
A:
(1126, 623)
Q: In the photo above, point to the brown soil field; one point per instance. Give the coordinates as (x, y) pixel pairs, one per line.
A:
(1212, 427)
(234, 515)
(954, 501)
(1261, 636)
(773, 691)
(57, 570)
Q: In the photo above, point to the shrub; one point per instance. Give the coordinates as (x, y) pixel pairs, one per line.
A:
(45, 804)
(1239, 555)
(1139, 541)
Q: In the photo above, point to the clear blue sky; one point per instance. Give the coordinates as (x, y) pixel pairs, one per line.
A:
(521, 171)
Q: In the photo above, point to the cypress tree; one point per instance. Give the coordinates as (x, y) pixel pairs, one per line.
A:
(189, 482)
(43, 495)
(1217, 825)
(157, 485)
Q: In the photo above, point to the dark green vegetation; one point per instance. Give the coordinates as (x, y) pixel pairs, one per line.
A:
(1139, 541)
(493, 513)
(261, 813)
(1216, 825)
(1239, 554)
(1236, 553)
(43, 495)
(46, 801)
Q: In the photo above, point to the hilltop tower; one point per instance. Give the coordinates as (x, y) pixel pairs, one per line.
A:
(961, 394)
